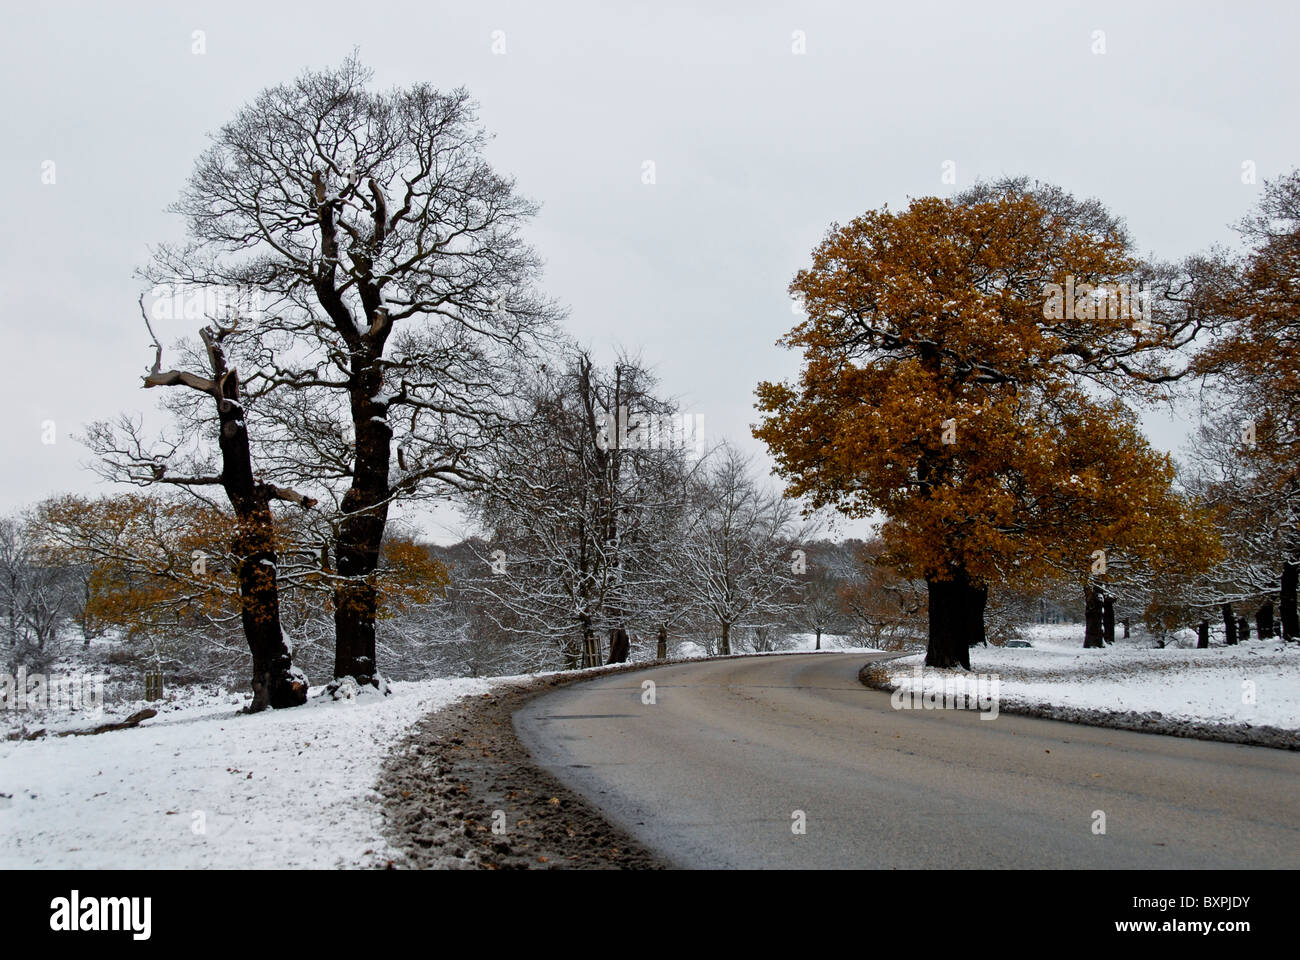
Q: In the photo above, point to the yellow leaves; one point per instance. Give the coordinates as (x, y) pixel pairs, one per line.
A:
(409, 575)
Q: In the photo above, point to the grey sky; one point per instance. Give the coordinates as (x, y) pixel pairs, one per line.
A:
(756, 150)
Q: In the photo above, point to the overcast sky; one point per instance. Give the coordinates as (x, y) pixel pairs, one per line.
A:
(756, 150)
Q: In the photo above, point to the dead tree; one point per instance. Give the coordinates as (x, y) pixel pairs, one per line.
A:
(276, 681)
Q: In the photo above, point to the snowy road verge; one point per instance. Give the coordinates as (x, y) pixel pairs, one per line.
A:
(1248, 693)
(208, 786)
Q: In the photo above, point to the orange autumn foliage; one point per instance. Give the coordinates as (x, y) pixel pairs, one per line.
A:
(143, 554)
(936, 390)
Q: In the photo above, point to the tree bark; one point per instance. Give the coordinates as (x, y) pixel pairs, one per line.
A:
(724, 647)
(956, 619)
(618, 646)
(1108, 618)
(361, 534)
(1287, 601)
(1125, 623)
(661, 648)
(819, 639)
(276, 681)
(1229, 625)
(1203, 635)
(1093, 602)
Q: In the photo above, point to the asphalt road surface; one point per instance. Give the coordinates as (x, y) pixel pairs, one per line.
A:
(715, 772)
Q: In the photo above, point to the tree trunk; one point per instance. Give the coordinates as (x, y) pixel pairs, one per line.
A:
(1108, 618)
(1093, 633)
(661, 649)
(1203, 635)
(276, 681)
(724, 648)
(1125, 623)
(819, 639)
(1229, 626)
(1264, 621)
(1287, 601)
(956, 619)
(618, 646)
(361, 534)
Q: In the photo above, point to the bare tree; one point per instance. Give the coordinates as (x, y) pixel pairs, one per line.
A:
(736, 553)
(393, 296)
(579, 509)
(1256, 510)
(36, 595)
(829, 568)
(276, 681)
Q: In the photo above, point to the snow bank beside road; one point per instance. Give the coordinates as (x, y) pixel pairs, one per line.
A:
(285, 788)
(1206, 686)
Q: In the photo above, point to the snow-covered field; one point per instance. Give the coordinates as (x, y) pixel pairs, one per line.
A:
(1255, 682)
(203, 785)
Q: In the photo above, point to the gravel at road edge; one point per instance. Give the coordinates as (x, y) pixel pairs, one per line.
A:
(442, 785)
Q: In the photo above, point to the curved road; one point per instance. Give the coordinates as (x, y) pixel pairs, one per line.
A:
(712, 774)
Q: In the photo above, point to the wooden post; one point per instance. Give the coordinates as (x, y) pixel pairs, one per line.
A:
(153, 685)
(590, 650)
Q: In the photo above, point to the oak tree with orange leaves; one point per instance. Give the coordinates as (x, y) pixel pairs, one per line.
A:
(966, 364)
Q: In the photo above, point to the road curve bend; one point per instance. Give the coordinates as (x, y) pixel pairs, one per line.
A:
(733, 756)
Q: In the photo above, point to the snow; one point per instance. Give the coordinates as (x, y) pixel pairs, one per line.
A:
(295, 788)
(282, 788)
(1208, 685)
(789, 643)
